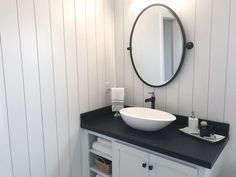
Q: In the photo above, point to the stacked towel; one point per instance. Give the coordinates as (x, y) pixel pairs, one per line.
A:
(117, 98)
(104, 142)
(102, 147)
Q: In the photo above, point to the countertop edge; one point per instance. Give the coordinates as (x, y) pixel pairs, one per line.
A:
(158, 150)
(106, 111)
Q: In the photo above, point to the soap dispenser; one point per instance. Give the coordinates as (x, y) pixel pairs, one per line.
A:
(193, 123)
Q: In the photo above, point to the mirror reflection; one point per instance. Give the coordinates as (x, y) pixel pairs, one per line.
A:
(156, 45)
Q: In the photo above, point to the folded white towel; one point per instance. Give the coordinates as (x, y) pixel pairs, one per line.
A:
(104, 142)
(117, 94)
(117, 98)
(102, 148)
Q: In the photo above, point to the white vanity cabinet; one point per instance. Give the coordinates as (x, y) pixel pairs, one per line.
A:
(131, 162)
(166, 168)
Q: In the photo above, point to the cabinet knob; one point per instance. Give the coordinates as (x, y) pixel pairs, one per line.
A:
(144, 165)
(150, 167)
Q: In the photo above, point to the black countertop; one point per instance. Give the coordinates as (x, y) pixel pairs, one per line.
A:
(168, 141)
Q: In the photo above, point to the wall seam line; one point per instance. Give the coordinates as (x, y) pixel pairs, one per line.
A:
(86, 27)
(105, 49)
(7, 110)
(78, 82)
(22, 74)
(54, 87)
(66, 75)
(227, 60)
(40, 86)
(194, 54)
(123, 45)
(95, 19)
(210, 55)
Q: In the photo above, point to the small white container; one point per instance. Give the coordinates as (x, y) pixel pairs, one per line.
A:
(193, 123)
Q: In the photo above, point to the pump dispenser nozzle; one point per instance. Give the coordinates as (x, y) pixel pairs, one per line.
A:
(193, 114)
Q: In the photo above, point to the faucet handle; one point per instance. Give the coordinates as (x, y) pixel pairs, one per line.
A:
(152, 93)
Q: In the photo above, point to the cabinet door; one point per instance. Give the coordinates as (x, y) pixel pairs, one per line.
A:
(167, 168)
(129, 162)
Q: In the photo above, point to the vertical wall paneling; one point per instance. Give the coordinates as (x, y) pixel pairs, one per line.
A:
(218, 60)
(160, 94)
(100, 50)
(82, 54)
(186, 73)
(202, 56)
(112, 42)
(127, 65)
(56, 57)
(119, 44)
(61, 87)
(72, 83)
(92, 53)
(172, 96)
(95, 45)
(230, 99)
(205, 82)
(5, 148)
(138, 91)
(14, 89)
(109, 44)
(52, 47)
(32, 87)
(46, 75)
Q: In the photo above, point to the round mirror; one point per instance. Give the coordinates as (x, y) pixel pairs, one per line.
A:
(157, 45)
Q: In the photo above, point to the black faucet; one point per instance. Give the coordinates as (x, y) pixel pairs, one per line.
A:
(152, 100)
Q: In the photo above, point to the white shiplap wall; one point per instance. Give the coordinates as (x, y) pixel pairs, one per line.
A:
(56, 58)
(205, 83)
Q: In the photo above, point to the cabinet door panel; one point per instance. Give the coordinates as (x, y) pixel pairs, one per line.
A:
(167, 168)
(129, 162)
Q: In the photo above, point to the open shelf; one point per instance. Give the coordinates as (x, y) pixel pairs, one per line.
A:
(106, 156)
(93, 154)
(96, 170)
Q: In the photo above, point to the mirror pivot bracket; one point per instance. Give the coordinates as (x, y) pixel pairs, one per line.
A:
(189, 45)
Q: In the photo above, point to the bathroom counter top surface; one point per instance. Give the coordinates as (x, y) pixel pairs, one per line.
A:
(168, 141)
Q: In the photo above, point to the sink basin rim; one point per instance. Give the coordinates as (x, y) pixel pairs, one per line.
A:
(146, 119)
(140, 114)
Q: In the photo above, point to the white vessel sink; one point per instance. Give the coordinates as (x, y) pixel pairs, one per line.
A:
(146, 119)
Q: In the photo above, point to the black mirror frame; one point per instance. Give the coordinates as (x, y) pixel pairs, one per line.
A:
(186, 45)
